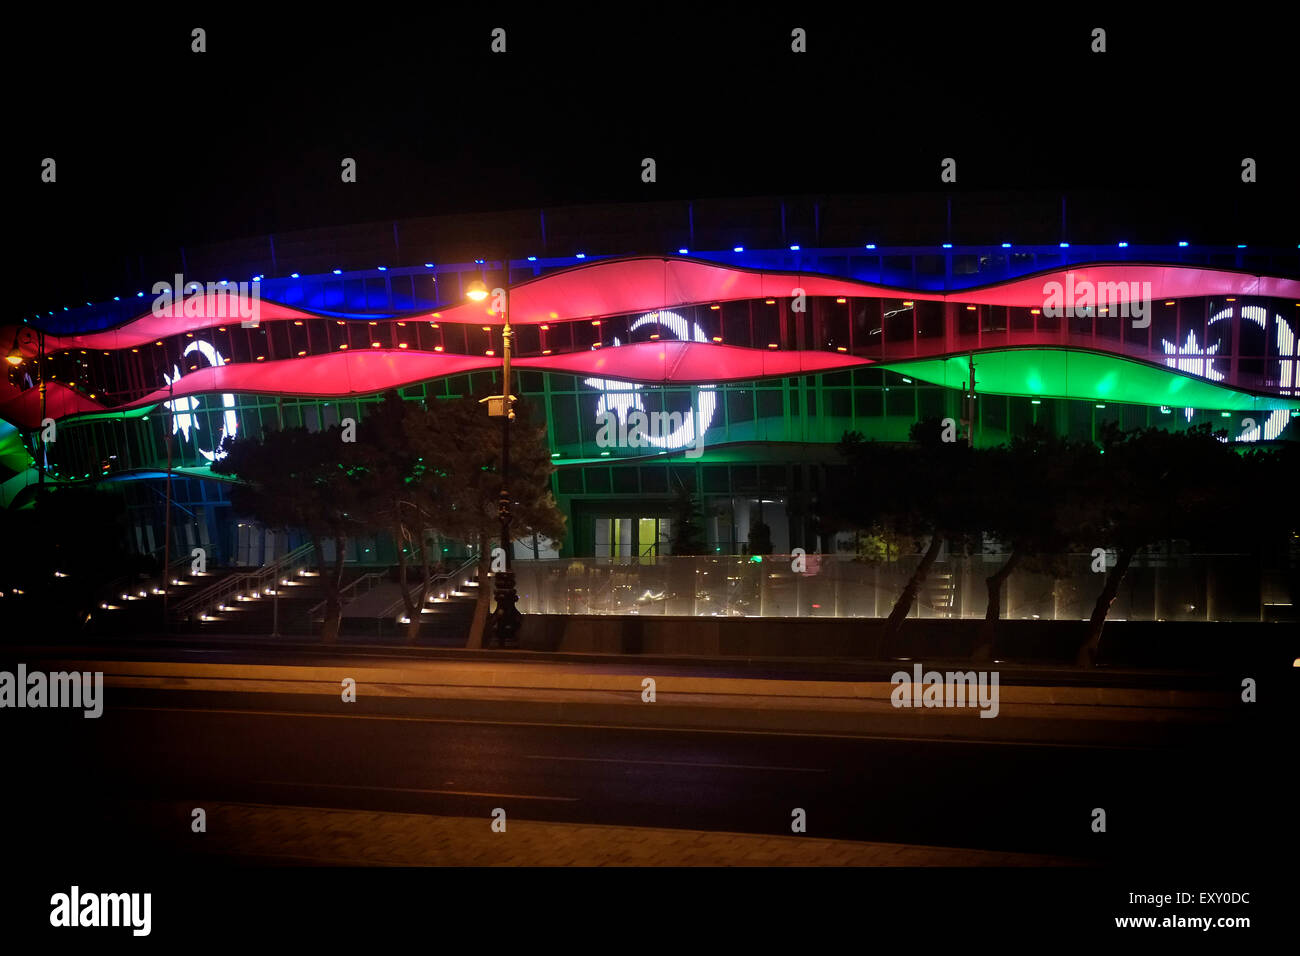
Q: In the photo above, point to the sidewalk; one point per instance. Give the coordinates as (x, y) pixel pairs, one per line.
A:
(556, 693)
(311, 836)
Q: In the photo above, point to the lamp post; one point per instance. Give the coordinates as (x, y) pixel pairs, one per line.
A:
(505, 618)
(15, 357)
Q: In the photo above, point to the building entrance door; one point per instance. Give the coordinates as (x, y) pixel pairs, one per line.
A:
(633, 539)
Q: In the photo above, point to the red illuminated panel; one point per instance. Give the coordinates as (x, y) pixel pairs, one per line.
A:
(628, 286)
(24, 408)
(323, 376)
(1166, 282)
(689, 362)
(215, 311)
(622, 286)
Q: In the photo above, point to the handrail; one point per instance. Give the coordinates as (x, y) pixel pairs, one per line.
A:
(428, 584)
(252, 580)
(352, 587)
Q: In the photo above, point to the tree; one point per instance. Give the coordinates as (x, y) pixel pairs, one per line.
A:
(462, 444)
(1148, 486)
(314, 481)
(1025, 504)
(688, 530)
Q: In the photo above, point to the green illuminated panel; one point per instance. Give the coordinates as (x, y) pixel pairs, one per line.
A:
(1063, 373)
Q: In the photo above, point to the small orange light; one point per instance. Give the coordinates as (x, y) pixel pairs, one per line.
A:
(841, 349)
(374, 323)
(717, 338)
(303, 352)
(655, 335)
(595, 321)
(907, 304)
(771, 345)
(1035, 312)
(261, 358)
(1169, 302)
(222, 329)
(401, 325)
(773, 301)
(375, 345)
(546, 328)
(841, 301)
(1232, 298)
(159, 342)
(970, 308)
(339, 322)
(297, 321)
(715, 307)
(401, 345)
(437, 348)
(343, 346)
(546, 351)
(489, 352)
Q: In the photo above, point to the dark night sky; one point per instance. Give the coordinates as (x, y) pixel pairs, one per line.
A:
(158, 147)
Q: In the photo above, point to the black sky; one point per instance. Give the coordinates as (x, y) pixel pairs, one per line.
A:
(159, 147)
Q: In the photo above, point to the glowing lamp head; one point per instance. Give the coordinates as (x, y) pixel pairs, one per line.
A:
(15, 357)
(477, 291)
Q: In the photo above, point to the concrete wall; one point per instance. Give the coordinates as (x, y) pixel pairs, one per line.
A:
(1210, 646)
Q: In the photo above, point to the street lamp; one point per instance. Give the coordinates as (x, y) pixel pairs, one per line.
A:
(506, 617)
(15, 358)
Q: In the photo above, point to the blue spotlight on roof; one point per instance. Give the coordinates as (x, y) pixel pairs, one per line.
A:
(117, 298)
(1182, 244)
(225, 282)
(478, 262)
(1241, 245)
(794, 248)
(682, 252)
(1123, 245)
(738, 249)
(871, 245)
(1065, 245)
(532, 258)
(1006, 245)
(581, 255)
(293, 275)
(383, 268)
(428, 265)
(139, 295)
(338, 272)
(947, 245)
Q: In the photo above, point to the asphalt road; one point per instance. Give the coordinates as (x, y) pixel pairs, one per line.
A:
(71, 777)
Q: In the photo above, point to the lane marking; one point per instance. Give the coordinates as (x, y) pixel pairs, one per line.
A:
(651, 727)
(445, 793)
(675, 763)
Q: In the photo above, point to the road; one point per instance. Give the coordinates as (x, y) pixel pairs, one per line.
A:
(1167, 805)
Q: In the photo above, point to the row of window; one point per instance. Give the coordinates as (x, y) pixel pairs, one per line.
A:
(808, 409)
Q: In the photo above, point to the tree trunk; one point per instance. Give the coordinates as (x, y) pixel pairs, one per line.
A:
(903, 606)
(1092, 641)
(484, 594)
(333, 582)
(416, 616)
(993, 611)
